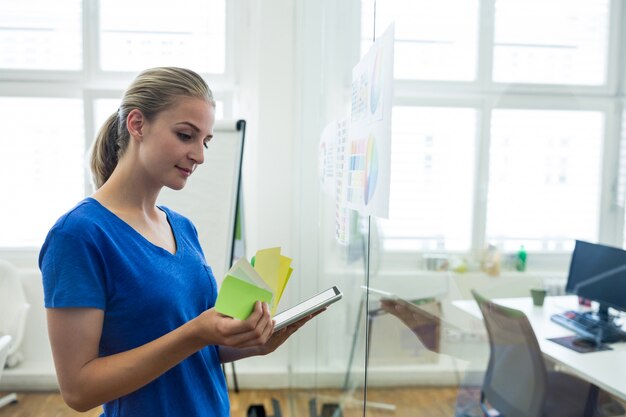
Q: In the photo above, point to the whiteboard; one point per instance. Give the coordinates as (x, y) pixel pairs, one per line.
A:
(210, 197)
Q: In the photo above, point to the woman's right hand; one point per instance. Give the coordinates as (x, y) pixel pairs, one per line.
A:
(216, 329)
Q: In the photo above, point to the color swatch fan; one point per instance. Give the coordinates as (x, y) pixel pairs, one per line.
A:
(246, 283)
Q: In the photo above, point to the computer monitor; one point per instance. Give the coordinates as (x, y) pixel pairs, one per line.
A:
(598, 273)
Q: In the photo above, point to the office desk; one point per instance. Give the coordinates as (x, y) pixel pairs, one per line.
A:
(606, 369)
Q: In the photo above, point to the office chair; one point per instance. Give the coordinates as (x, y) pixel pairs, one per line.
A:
(5, 343)
(517, 382)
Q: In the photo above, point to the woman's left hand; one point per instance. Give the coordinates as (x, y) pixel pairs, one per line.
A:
(230, 354)
(280, 336)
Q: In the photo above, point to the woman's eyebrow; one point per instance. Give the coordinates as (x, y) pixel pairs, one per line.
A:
(194, 127)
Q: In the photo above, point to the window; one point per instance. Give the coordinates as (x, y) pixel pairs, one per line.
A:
(568, 43)
(544, 178)
(149, 34)
(432, 162)
(41, 35)
(435, 40)
(41, 165)
(61, 76)
(527, 116)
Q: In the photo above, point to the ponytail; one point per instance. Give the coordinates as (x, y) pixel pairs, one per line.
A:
(106, 151)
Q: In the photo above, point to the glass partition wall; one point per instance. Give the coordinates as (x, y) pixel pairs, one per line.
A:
(505, 150)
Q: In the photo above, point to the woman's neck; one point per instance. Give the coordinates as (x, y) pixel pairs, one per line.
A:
(125, 192)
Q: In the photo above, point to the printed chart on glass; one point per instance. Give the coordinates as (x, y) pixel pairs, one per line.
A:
(331, 173)
(368, 149)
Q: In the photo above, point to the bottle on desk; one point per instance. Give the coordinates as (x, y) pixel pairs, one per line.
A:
(520, 261)
(491, 261)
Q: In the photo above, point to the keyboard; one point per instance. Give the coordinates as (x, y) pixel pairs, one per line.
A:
(587, 326)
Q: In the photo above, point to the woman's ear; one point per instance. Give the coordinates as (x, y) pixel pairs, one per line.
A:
(135, 123)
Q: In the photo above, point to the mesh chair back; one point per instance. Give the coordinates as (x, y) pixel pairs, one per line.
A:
(515, 383)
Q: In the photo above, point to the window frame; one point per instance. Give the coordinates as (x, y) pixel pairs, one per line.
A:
(485, 95)
(91, 83)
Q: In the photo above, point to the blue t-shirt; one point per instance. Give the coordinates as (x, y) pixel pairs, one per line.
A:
(92, 258)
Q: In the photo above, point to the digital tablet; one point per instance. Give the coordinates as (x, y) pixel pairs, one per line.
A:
(310, 306)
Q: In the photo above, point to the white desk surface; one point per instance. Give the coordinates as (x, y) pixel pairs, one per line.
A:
(606, 369)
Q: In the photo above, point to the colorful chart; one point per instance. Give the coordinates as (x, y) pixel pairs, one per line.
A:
(368, 156)
(371, 170)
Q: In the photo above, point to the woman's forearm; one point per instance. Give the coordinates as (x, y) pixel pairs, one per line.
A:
(107, 378)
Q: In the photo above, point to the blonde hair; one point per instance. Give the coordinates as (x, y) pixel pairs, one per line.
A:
(153, 91)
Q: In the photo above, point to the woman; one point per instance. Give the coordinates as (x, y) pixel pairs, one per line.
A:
(128, 293)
